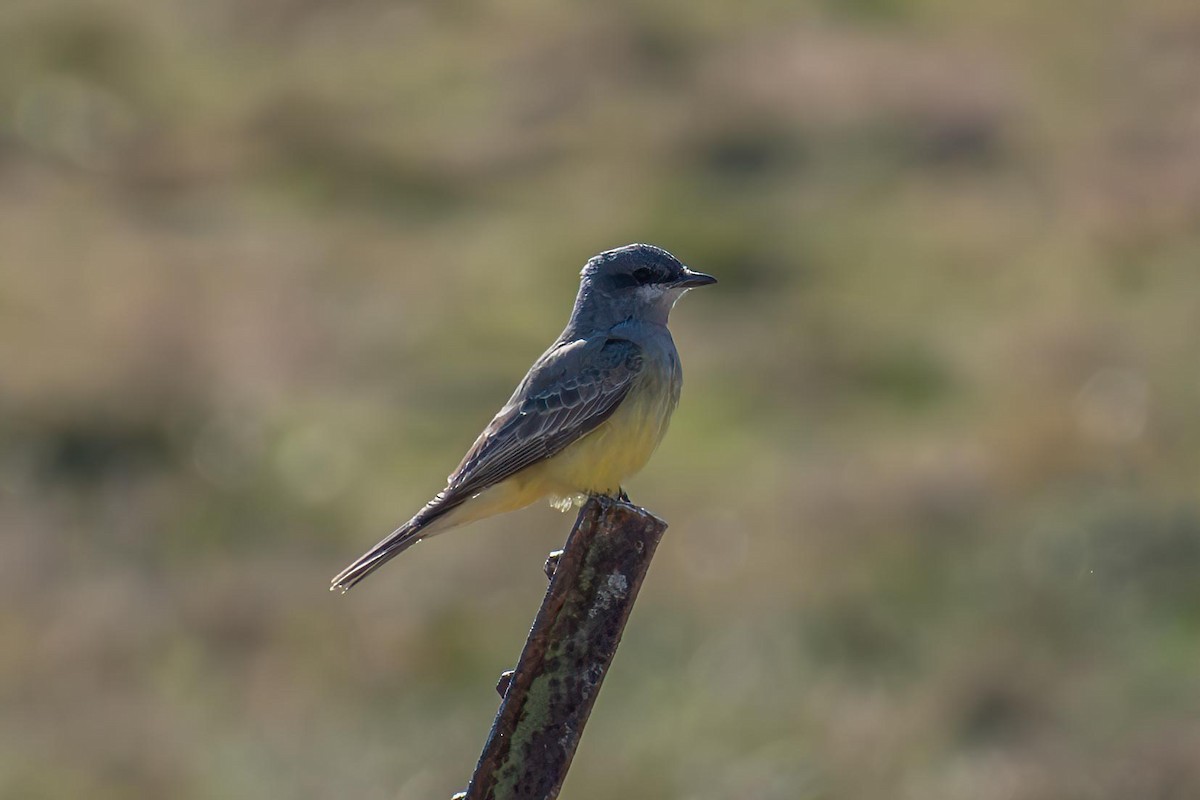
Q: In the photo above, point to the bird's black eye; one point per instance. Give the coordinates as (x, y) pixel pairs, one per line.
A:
(643, 275)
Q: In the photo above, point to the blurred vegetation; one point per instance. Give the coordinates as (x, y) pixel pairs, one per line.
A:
(268, 267)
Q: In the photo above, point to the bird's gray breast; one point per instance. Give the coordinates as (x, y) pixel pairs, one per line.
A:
(661, 368)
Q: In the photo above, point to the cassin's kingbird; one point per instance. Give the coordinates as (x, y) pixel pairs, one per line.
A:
(588, 414)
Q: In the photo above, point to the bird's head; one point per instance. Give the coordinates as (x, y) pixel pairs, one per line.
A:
(637, 281)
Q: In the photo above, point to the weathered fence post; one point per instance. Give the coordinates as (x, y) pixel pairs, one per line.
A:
(548, 697)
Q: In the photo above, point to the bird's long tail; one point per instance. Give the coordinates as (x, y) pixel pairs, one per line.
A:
(393, 545)
(444, 512)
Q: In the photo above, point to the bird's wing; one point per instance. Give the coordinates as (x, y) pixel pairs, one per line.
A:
(568, 392)
(571, 389)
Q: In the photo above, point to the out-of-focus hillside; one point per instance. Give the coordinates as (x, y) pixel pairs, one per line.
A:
(266, 269)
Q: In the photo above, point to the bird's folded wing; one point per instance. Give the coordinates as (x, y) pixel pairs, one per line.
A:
(570, 390)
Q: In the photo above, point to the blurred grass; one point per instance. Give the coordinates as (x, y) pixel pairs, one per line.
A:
(267, 269)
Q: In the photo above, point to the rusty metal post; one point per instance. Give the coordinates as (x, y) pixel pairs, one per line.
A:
(550, 694)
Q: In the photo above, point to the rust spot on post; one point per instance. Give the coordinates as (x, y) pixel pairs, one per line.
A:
(567, 654)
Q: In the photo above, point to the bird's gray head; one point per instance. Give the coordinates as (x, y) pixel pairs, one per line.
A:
(637, 281)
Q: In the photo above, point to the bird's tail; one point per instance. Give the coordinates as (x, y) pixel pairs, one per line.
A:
(393, 545)
(440, 514)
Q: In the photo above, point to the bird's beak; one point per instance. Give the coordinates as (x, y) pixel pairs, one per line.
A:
(692, 279)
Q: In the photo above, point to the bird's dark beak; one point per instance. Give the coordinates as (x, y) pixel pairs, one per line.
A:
(693, 279)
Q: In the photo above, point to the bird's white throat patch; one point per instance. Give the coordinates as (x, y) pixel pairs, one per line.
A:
(658, 295)
(651, 293)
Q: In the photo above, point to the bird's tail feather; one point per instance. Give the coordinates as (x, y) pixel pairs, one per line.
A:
(400, 540)
(440, 514)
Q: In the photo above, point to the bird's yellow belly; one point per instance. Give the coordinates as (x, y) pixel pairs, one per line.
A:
(618, 448)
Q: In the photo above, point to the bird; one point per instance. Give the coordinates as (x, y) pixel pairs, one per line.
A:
(588, 414)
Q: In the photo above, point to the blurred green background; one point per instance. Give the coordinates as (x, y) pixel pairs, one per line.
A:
(266, 268)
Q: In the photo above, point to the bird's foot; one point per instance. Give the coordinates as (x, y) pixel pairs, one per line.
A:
(609, 500)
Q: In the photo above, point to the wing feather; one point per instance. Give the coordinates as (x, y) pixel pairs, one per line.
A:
(571, 390)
